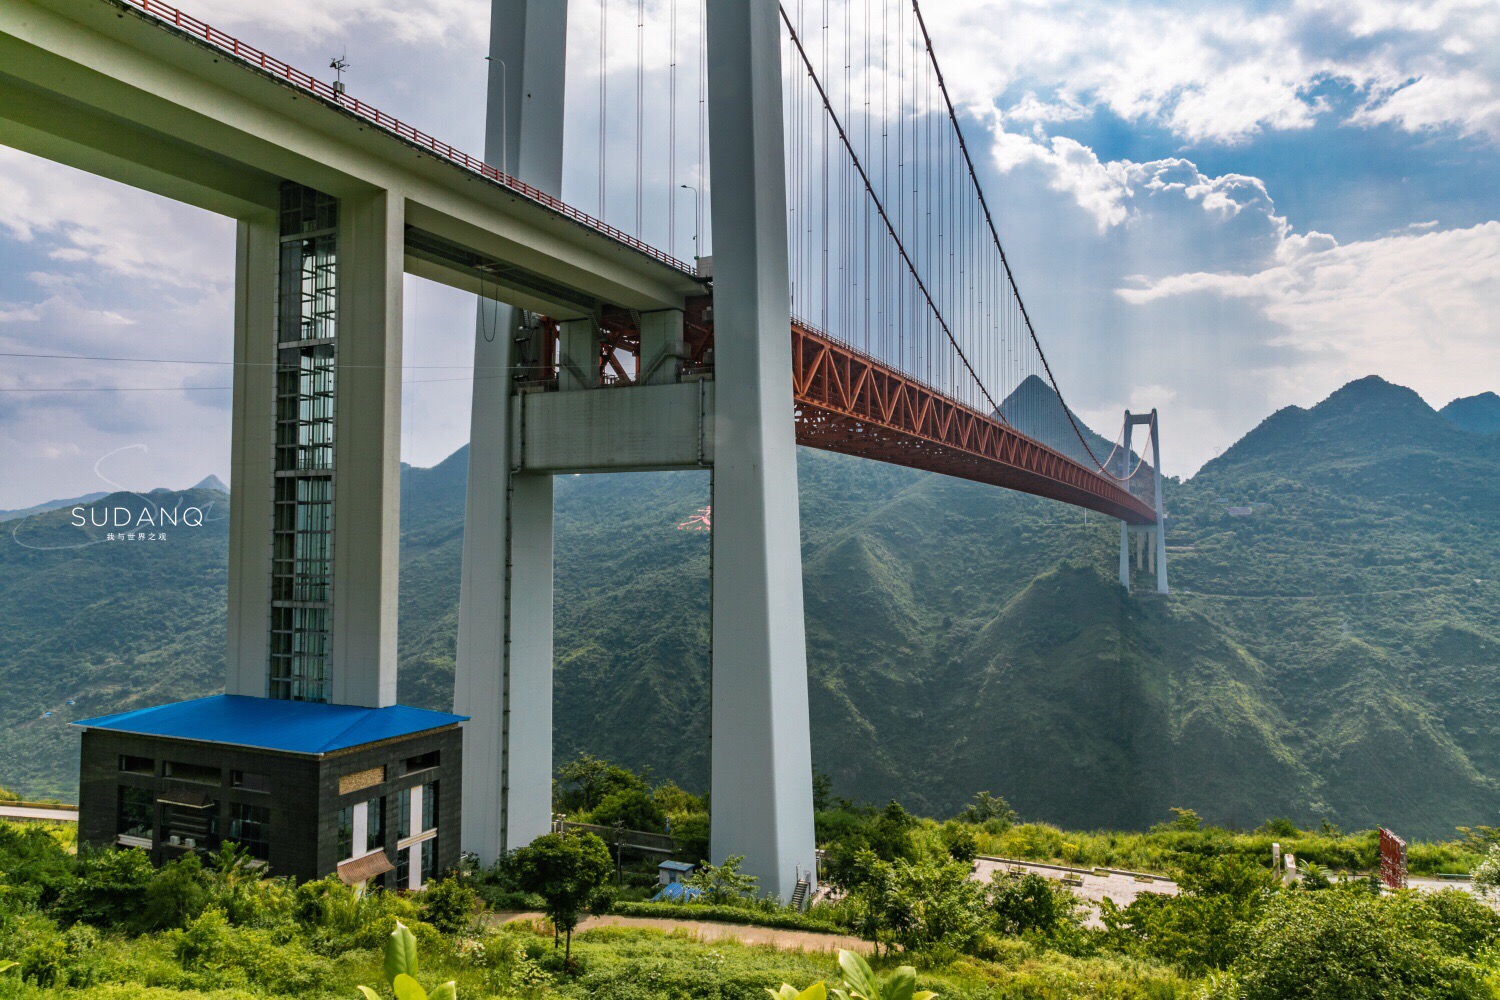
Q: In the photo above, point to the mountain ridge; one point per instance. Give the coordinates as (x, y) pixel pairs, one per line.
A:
(959, 637)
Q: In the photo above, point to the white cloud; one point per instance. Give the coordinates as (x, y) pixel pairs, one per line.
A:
(1421, 307)
(1106, 189)
(1225, 72)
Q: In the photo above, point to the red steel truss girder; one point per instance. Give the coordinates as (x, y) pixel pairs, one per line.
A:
(851, 403)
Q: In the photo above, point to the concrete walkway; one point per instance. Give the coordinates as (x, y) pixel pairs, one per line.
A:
(709, 931)
(39, 812)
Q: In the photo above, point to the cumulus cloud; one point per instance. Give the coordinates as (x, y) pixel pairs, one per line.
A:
(1105, 189)
(1225, 72)
(1422, 306)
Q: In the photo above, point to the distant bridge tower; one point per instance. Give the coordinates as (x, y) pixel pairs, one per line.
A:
(1150, 539)
(739, 423)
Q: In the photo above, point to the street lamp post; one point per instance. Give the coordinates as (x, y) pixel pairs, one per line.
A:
(504, 111)
(697, 220)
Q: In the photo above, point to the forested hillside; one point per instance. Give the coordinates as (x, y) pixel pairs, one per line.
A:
(1333, 654)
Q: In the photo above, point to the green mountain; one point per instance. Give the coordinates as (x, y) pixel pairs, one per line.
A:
(1480, 414)
(1334, 654)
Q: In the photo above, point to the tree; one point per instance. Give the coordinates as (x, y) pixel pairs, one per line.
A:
(593, 779)
(1487, 875)
(916, 904)
(1032, 903)
(986, 807)
(631, 808)
(401, 970)
(887, 833)
(565, 870)
(723, 883)
(822, 791)
(1186, 820)
(961, 843)
(1202, 928)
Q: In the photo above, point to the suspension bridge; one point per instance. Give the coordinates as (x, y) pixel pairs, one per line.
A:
(848, 291)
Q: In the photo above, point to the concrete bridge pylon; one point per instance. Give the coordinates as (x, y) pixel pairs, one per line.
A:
(737, 422)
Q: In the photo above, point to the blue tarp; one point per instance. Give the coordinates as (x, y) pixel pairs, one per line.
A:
(290, 726)
(677, 893)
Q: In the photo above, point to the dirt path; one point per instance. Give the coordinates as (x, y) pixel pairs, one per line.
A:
(708, 931)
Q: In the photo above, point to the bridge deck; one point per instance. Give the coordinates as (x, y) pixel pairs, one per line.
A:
(852, 403)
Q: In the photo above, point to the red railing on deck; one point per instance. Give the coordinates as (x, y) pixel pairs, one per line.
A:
(251, 56)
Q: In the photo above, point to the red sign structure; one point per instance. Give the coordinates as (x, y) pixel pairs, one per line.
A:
(1392, 860)
(701, 521)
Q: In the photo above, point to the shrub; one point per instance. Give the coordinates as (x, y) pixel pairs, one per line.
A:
(109, 889)
(1345, 944)
(1487, 875)
(723, 884)
(1201, 928)
(960, 842)
(1032, 904)
(34, 868)
(632, 808)
(450, 904)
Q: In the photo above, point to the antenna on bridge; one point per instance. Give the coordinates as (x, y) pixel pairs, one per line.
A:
(338, 66)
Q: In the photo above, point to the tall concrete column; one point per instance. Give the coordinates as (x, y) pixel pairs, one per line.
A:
(250, 460)
(503, 674)
(367, 449)
(1160, 552)
(762, 761)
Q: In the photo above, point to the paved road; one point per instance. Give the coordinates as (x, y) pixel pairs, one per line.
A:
(39, 812)
(1122, 887)
(708, 931)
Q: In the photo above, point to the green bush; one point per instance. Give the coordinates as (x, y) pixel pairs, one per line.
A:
(1032, 904)
(632, 808)
(109, 890)
(762, 916)
(1202, 928)
(450, 904)
(1346, 944)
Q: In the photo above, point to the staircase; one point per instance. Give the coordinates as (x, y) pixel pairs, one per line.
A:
(799, 894)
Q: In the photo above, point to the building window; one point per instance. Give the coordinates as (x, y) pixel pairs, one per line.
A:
(403, 868)
(137, 765)
(422, 762)
(196, 773)
(250, 781)
(429, 806)
(375, 824)
(306, 397)
(346, 833)
(137, 815)
(403, 814)
(250, 827)
(429, 860)
(192, 827)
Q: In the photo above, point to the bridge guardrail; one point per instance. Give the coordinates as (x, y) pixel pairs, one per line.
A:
(252, 56)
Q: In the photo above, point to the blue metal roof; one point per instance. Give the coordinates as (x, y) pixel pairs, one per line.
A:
(676, 866)
(289, 726)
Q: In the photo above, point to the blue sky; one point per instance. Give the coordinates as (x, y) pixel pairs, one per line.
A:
(1215, 209)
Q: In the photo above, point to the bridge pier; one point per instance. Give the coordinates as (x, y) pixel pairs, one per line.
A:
(1151, 540)
(762, 758)
(503, 665)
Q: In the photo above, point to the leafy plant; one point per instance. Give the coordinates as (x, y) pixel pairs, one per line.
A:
(723, 883)
(566, 870)
(401, 970)
(1487, 875)
(860, 983)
